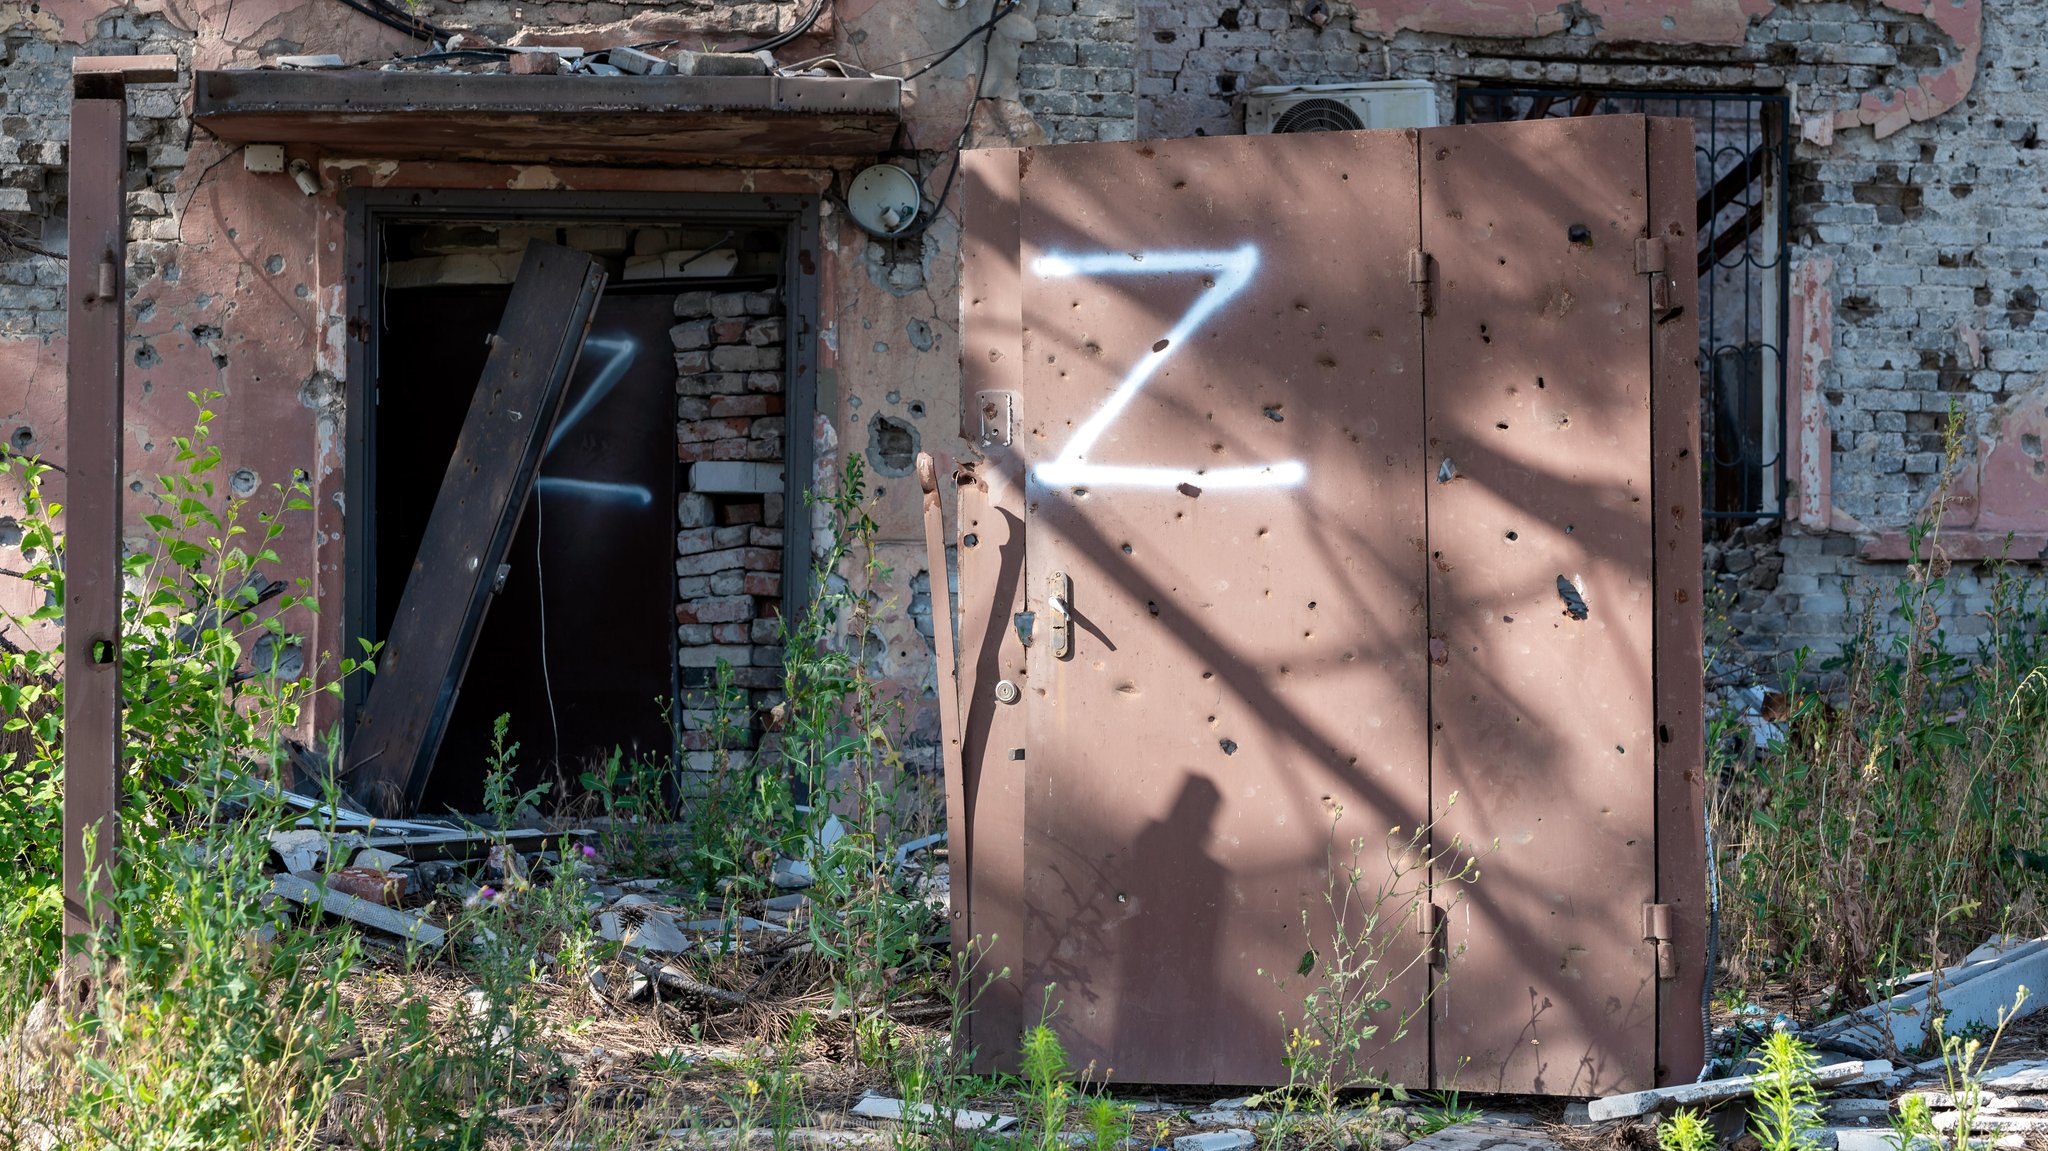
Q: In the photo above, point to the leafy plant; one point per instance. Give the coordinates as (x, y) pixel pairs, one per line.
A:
(1445, 1111)
(1109, 1122)
(1786, 1114)
(1888, 815)
(1685, 1130)
(1047, 1091)
(1349, 1009)
(1963, 1060)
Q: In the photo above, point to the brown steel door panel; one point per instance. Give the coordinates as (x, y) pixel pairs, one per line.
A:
(1221, 423)
(987, 839)
(1538, 370)
(1681, 735)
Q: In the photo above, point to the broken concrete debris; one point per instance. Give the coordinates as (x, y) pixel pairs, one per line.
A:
(1970, 994)
(873, 1106)
(1228, 1139)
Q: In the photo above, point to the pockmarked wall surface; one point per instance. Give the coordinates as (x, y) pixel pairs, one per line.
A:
(1916, 229)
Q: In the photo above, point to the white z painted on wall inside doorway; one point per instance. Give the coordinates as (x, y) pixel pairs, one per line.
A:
(1231, 271)
(623, 350)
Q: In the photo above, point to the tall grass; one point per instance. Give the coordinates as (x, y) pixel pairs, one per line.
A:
(1900, 819)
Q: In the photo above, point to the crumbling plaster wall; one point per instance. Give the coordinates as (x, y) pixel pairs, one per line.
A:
(236, 279)
(1916, 182)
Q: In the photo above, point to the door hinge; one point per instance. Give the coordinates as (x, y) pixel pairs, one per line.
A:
(1429, 924)
(1650, 261)
(1657, 930)
(1418, 279)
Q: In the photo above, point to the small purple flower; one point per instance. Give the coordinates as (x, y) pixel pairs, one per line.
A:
(588, 851)
(488, 892)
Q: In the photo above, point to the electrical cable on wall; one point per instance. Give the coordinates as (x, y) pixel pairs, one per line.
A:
(540, 588)
(987, 31)
(802, 26)
(397, 20)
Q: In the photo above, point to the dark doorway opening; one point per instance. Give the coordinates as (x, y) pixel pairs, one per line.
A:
(576, 651)
(580, 648)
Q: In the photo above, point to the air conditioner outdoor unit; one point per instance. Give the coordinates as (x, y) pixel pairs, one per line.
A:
(1340, 107)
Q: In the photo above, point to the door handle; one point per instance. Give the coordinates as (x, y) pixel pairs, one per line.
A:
(1059, 594)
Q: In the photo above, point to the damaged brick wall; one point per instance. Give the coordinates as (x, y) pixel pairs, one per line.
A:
(237, 279)
(730, 389)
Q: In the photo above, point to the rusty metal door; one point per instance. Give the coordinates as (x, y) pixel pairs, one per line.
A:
(1537, 364)
(1317, 486)
(1222, 436)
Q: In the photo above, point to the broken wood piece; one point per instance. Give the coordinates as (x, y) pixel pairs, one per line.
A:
(1715, 1090)
(882, 1107)
(299, 889)
(676, 979)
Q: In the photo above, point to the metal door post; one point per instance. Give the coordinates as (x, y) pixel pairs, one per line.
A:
(96, 301)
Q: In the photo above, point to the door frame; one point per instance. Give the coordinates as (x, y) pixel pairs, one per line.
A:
(368, 211)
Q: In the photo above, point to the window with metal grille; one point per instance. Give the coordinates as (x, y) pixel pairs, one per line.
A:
(1743, 157)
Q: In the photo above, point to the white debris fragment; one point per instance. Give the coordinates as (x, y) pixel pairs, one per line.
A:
(873, 1106)
(1234, 1139)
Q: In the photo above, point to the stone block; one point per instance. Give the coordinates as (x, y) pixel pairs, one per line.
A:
(762, 583)
(723, 407)
(701, 451)
(765, 537)
(736, 477)
(711, 563)
(693, 510)
(690, 63)
(690, 335)
(693, 634)
(737, 655)
(698, 540)
(762, 333)
(729, 304)
(771, 509)
(695, 431)
(693, 362)
(741, 513)
(692, 305)
(743, 358)
(720, 609)
(730, 633)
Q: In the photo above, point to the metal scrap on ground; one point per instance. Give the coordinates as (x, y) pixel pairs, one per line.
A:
(1715, 1090)
(298, 889)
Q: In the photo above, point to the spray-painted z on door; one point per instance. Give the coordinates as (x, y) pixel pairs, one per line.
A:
(1221, 572)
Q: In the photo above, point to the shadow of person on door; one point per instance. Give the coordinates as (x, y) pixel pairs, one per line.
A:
(1173, 994)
